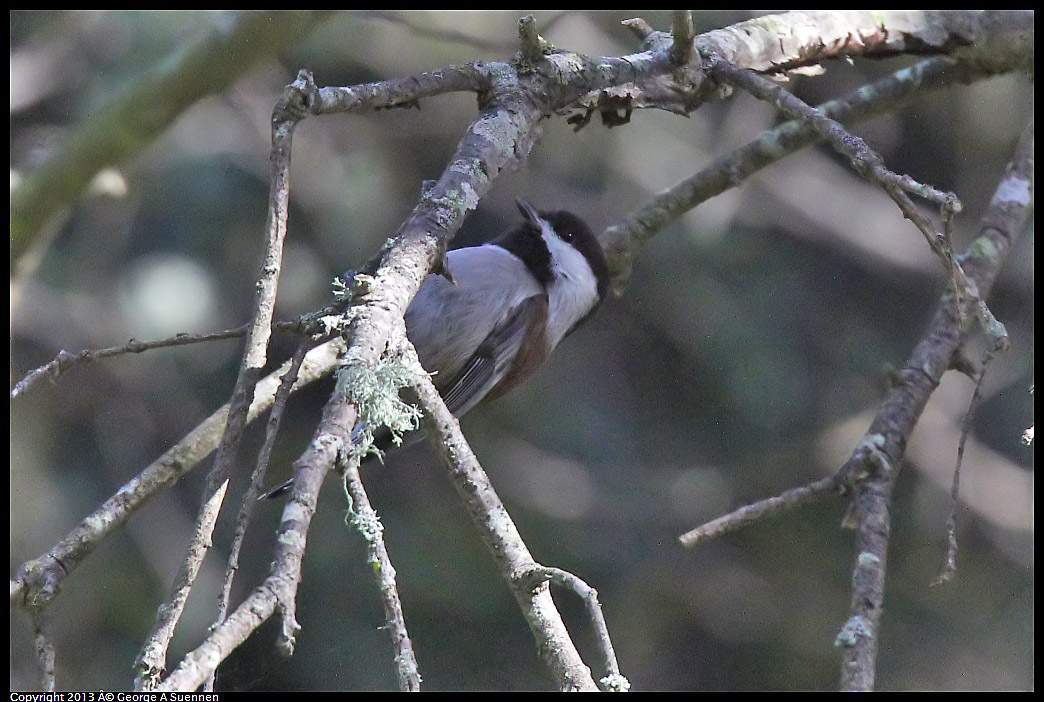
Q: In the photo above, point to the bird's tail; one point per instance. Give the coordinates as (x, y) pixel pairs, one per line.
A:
(382, 440)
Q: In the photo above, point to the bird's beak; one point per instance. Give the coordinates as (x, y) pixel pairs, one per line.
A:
(528, 211)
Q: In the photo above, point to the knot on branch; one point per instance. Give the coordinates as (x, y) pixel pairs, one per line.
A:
(39, 581)
(868, 459)
(679, 93)
(614, 105)
(298, 98)
(530, 580)
(641, 29)
(534, 46)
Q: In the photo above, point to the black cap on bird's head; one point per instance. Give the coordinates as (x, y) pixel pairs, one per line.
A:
(570, 228)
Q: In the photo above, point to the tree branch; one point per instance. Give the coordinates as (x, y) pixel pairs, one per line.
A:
(278, 591)
(513, 98)
(500, 535)
(38, 581)
(146, 108)
(895, 420)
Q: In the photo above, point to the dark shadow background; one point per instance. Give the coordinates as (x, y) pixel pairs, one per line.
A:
(746, 357)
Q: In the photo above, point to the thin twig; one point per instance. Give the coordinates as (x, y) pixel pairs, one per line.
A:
(748, 514)
(639, 27)
(612, 681)
(249, 501)
(364, 518)
(622, 241)
(681, 33)
(869, 165)
(288, 111)
(43, 646)
(65, 361)
(279, 589)
(873, 466)
(38, 581)
(949, 569)
(863, 159)
(895, 420)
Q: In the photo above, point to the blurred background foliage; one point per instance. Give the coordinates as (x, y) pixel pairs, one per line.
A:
(746, 357)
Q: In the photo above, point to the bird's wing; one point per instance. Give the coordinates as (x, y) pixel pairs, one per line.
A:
(497, 358)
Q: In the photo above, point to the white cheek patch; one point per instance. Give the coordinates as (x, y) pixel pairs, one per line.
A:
(574, 290)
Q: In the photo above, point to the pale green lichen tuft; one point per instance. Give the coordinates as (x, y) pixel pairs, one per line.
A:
(854, 629)
(374, 390)
(615, 683)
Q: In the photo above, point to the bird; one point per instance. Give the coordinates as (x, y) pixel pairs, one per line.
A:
(504, 307)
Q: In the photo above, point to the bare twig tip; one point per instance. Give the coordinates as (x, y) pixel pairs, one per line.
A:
(639, 27)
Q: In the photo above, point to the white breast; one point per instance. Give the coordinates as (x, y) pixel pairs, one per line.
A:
(574, 290)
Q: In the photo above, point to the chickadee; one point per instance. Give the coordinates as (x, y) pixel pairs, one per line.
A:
(510, 304)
